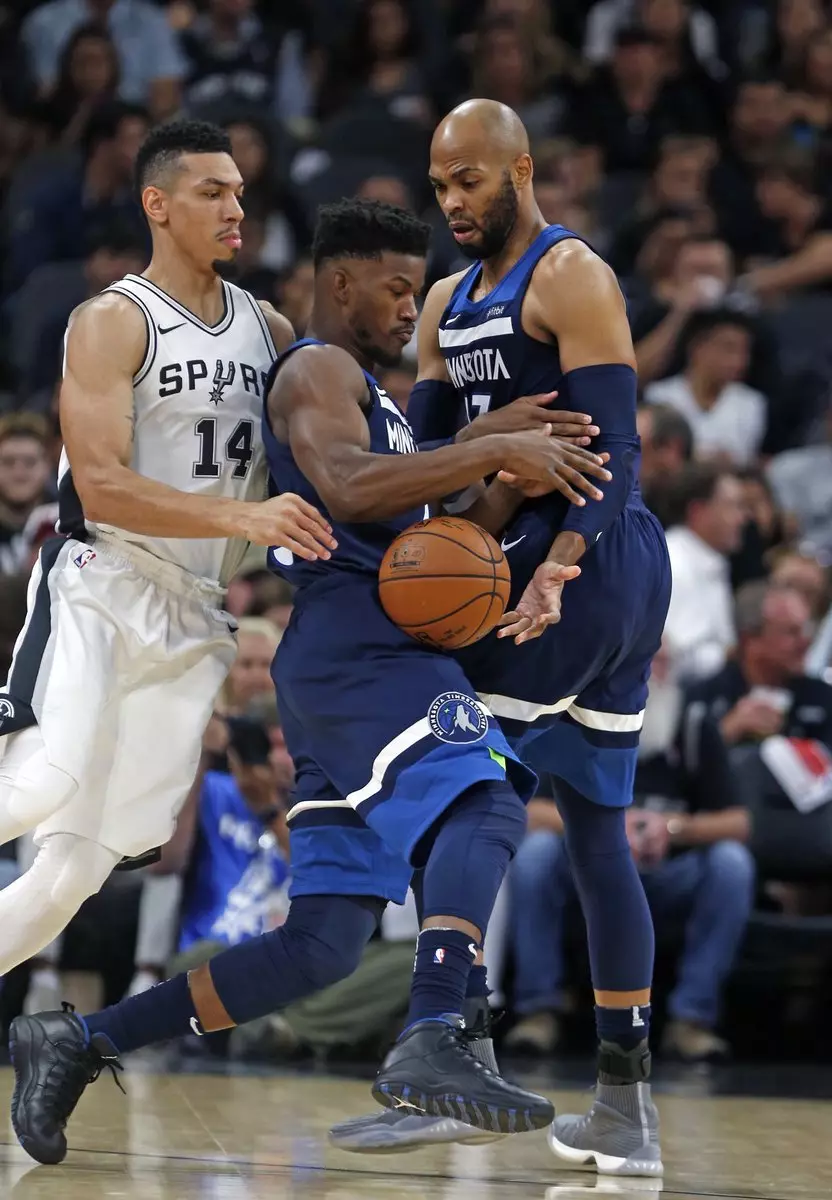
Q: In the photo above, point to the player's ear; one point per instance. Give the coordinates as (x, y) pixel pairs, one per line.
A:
(341, 284)
(154, 203)
(523, 170)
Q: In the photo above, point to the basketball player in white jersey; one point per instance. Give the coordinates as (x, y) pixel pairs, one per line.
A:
(162, 486)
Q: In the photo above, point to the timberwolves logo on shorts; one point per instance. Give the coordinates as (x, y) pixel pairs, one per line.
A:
(455, 717)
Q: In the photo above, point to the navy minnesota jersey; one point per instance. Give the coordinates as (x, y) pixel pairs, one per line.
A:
(491, 360)
(361, 547)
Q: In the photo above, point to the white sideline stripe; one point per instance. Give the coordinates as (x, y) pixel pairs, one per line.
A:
(496, 327)
(402, 742)
(608, 722)
(523, 710)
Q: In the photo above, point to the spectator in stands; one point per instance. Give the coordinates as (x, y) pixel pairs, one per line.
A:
(13, 590)
(380, 62)
(688, 837)
(799, 234)
(666, 446)
(803, 574)
(678, 184)
(764, 529)
(152, 65)
(25, 478)
(797, 23)
(630, 106)
(65, 205)
(759, 122)
(231, 58)
(250, 676)
(509, 66)
(708, 506)
(251, 146)
(727, 417)
(271, 598)
(88, 76)
(608, 16)
(765, 691)
(295, 293)
(811, 96)
(700, 278)
(44, 304)
(802, 483)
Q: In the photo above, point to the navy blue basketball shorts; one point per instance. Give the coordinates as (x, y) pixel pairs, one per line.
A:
(385, 735)
(572, 701)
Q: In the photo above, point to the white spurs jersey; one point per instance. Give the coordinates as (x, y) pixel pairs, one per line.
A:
(198, 403)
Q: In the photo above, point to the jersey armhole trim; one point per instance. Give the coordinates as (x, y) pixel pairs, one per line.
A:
(152, 340)
(264, 324)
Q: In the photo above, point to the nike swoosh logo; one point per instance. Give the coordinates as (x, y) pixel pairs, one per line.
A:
(170, 328)
(504, 545)
(473, 948)
(455, 317)
(197, 1028)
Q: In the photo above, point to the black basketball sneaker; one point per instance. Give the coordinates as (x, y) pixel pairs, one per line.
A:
(431, 1069)
(397, 1130)
(53, 1061)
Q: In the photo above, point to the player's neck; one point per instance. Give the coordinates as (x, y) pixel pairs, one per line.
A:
(524, 233)
(328, 329)
(199, 291)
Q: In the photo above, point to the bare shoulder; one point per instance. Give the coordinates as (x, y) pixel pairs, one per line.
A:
(280, 328)
(109, 326)
(574, 264)
(313, 369)
(440, 294)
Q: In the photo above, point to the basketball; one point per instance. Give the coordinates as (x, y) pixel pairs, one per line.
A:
(445, 582)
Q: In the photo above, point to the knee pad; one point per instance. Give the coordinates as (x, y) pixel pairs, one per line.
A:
(325, 936)
(590, 830)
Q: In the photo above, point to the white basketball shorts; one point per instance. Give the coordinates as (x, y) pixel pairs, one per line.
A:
(119, 664)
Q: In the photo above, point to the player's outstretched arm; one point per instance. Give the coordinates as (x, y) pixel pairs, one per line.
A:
(576, 298)
(316, 404)
(105, 348)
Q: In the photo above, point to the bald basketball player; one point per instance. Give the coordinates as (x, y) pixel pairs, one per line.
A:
(540, 311)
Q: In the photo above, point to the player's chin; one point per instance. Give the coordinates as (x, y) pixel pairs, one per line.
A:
(390, 354)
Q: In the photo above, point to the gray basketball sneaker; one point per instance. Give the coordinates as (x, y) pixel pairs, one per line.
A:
(620, 1133)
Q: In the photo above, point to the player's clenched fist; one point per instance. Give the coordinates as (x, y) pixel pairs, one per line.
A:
(291, 522)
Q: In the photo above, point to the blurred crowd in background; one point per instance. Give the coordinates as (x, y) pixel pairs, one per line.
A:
(691, 145)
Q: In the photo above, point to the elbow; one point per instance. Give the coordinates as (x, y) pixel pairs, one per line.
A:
(94, 486)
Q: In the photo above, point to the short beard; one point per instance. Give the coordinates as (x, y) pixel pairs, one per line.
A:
(498, 222)
(227, 268)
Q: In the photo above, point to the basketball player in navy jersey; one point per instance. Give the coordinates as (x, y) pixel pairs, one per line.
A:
(387, 774)
(538, 311)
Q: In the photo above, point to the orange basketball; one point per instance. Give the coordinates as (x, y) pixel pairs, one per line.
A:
(445, 582)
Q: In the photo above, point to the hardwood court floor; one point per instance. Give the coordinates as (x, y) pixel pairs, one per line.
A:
(243, 1137)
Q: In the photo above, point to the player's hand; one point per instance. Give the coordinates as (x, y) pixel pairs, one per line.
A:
(540, 465)
(539, 606)
(530, 413)
(290, 522)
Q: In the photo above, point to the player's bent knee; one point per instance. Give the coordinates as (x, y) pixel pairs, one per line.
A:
(81, 868)
(31, 788)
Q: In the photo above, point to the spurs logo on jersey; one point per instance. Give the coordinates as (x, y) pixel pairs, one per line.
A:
(198, 399)
(223, 378)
